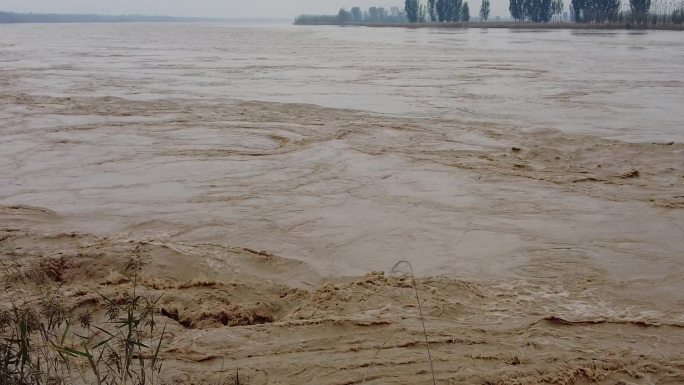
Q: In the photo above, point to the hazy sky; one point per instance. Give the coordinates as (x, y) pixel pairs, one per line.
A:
(218, 8)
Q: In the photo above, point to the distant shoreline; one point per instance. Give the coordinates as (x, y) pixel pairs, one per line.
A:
(58, 18)
(35, 18)
(512, 25)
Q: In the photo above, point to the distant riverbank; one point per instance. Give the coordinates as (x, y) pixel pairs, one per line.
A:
(512, 25)
(17, 18)
(64, 18)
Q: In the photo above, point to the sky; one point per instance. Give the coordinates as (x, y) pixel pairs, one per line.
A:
(211, 8)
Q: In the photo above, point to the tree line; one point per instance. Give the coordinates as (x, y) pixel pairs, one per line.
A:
(609, 11)
(11, 17)
(438, 10)
(538, 11)
(544, 11)
(640, 12)
(357, 15)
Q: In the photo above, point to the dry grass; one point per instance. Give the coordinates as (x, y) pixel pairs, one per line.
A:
(44, 342)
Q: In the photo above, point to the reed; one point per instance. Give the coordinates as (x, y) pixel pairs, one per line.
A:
(41, 343)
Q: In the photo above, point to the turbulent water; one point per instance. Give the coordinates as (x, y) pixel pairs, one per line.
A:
(534, 179)
(123, 125)
(625, 84)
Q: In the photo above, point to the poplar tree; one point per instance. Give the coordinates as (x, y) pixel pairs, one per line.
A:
(517, 9)
(441, 7)
(343, 16)
(432, 9)
(412, 8)
(601, 11)
(577, 7)
(356, 14)
(557, 7)
(454, 10)
(640, 10)
(465, 12)
(484, 10)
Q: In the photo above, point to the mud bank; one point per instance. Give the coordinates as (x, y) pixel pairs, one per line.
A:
(572, 326)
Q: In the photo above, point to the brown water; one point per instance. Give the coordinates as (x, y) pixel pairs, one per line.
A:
(537, 176)
(178, 156)
(625, 84)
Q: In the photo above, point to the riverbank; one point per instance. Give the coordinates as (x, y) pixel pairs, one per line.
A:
(514, 25)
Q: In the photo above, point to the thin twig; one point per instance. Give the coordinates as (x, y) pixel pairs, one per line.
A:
(371, 363)
(422, 320)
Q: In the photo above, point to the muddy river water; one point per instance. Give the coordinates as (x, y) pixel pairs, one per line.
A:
(466, 151)
(270, 176)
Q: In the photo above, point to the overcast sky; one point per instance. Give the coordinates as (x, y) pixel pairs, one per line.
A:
(218, 8)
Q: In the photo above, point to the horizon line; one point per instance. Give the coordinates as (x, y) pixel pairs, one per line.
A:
(110, 15)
